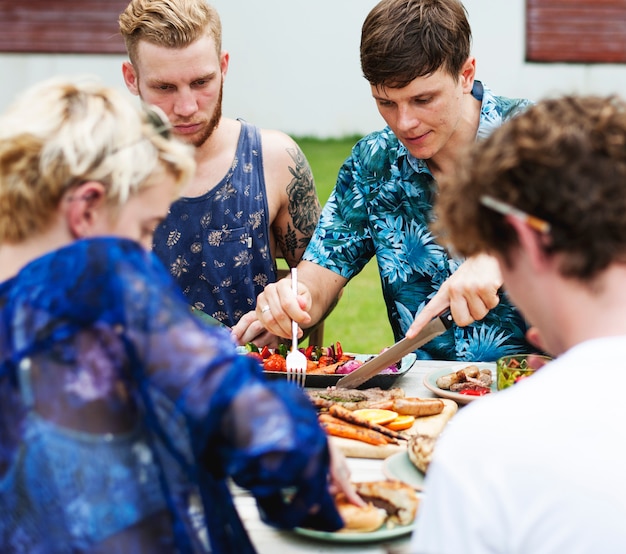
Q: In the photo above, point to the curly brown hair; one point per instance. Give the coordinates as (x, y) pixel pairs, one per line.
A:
(564, 161)
(405, 39)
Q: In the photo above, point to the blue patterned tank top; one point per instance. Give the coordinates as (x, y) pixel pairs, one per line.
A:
(216, 245)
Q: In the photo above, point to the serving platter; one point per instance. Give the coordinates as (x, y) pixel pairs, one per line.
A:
(382, 380)
(379, 535)
(430, 381)
(400, 468)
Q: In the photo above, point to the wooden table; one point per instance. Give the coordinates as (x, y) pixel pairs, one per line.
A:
(268, 540)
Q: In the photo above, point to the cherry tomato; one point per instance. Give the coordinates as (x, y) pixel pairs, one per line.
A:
(275, 362)
(256, 356)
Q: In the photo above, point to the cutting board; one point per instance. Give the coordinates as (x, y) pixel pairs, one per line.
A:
(430, 425)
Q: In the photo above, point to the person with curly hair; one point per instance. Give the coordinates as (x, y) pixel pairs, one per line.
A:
(539, 466)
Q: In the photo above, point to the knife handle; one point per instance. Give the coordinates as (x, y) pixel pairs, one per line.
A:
(446, 318)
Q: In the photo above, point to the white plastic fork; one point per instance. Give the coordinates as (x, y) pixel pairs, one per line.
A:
(296, 360)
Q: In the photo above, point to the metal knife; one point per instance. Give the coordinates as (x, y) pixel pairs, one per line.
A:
(394, 354)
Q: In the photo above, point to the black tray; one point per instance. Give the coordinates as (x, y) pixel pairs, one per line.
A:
(383, 381)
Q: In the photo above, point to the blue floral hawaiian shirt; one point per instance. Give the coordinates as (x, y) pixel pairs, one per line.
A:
(382, 206)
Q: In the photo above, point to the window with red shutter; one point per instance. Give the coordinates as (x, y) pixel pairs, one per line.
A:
(576, 31)
(61, 26)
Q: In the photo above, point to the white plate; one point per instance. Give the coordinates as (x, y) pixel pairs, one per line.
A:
(382, 534)
(430, 381)
(399, 467)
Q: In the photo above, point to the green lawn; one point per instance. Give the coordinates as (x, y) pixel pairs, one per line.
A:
(359, 321)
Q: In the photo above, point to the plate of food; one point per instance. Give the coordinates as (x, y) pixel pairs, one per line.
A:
(379, 535)
(399, 467)
(464, 382)
(389, 513)
(326, 365)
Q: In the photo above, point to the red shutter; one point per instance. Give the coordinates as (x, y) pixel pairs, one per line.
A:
(582, 31)
(59, 26)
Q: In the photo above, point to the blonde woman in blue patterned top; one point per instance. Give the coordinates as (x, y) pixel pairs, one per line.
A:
(122, 414)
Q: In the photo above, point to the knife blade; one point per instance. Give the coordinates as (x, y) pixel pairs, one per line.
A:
(394, 354)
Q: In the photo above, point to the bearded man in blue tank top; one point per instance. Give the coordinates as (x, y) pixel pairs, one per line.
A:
(253, 194)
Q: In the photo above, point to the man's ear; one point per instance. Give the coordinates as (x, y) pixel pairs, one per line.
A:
(85, 208)
(130, 77)
(532, 242)
(468, 73)
(224, 61)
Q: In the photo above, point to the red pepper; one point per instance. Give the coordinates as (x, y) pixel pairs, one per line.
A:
(338, 351)
(309, 351)
(481, 391)
(265, 353)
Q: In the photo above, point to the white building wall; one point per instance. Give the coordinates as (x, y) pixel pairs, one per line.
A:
(295, 65)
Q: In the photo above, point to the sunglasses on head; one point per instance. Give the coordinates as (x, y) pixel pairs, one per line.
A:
(158, 120)
(536, 223)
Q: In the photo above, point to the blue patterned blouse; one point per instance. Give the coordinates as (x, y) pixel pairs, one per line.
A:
(122, 415)
(382, 206)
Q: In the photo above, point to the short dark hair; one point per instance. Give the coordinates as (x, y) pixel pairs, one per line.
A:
(405, 39)
(562, 160)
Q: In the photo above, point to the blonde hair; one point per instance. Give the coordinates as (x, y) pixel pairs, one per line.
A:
(168, 23)
(63, 132)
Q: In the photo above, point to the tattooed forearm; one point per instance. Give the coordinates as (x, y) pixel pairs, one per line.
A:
(289, 242)
(304, 206)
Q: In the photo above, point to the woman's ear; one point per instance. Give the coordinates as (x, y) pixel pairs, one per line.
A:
(85, 208)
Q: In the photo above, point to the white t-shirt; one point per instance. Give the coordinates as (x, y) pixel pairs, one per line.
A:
(538, 468)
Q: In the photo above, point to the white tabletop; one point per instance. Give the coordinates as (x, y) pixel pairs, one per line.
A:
(268, 540)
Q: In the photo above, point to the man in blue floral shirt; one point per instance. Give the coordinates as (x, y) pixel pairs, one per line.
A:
(416, 56)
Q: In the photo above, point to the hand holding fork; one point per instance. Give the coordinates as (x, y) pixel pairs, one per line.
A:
(296, 360)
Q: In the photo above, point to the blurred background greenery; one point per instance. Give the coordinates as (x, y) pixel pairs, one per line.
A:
(359, 321)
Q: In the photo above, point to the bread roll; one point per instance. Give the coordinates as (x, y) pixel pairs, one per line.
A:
(389, 503)
(357, 519)
(420, 450)
(396, 498)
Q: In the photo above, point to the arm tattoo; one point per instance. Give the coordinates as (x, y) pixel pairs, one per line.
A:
(304, 206)
(289, 242)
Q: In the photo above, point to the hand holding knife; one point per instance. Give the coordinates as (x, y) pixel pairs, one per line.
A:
(372, 367)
